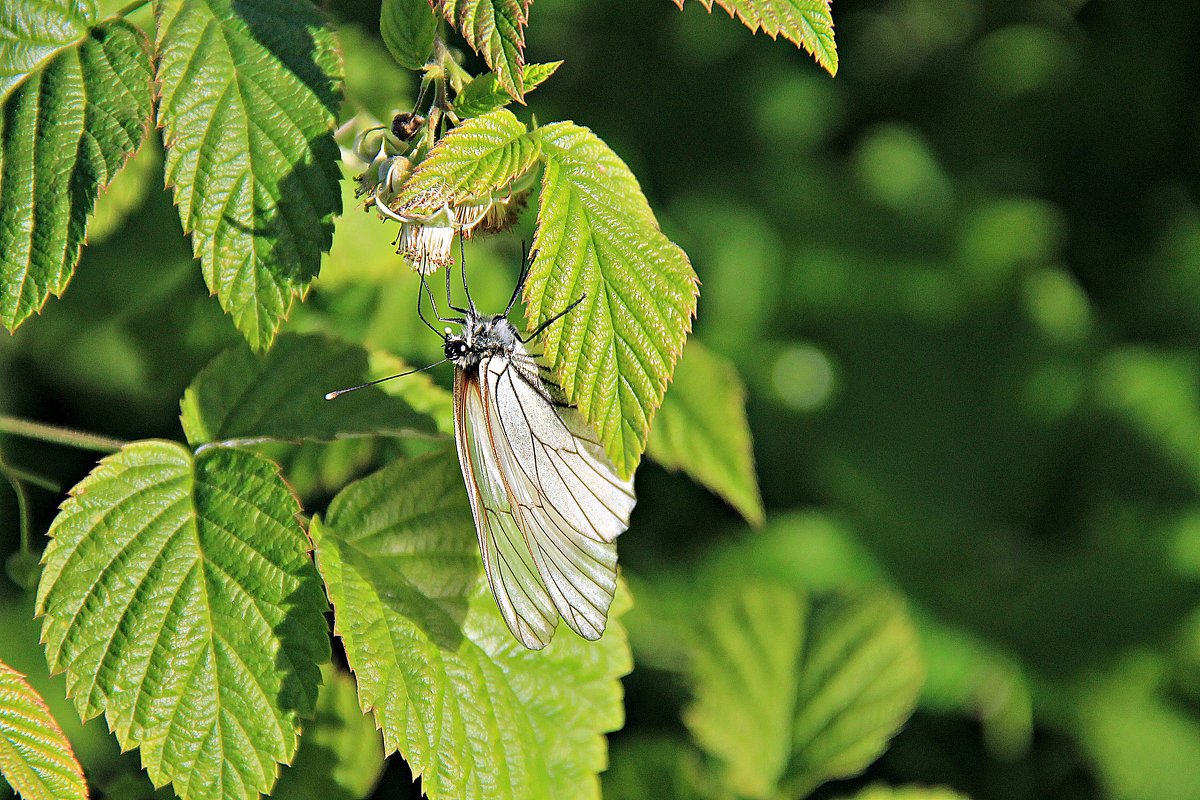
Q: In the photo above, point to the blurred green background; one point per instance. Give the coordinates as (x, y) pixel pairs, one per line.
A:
(962, 282)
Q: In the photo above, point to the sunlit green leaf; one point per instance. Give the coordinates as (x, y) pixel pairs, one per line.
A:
(32, 32)
(64, 134)
(249, 93)
(805, 23)
(481, 156)
(341, 754)
(35, 757)
(473, 712)
(281, 395)
(94, 747)
(702, 430)
(180, 599)
(408, 28)
(496, 30)
(789, 696)
(598, 243)
(485, 93)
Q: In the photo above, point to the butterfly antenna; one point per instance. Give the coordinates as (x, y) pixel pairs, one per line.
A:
(339, 392)
(555, 318)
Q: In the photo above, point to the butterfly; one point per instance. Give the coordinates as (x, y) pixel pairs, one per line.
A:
(547, 502)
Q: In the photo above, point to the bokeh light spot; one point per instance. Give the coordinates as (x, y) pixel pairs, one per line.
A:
(803, 377)
(1021, 59)
(1057, 305)
(897, 169)
(1185, 544)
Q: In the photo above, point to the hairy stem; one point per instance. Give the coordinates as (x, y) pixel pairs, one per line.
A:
(56, 435)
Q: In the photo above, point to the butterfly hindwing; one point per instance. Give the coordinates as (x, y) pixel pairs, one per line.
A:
(512, 574)
(566, 497)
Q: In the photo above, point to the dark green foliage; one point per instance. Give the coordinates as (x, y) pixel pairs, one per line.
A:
(959, 283)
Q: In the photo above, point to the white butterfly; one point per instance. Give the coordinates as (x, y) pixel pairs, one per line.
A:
(548, 504)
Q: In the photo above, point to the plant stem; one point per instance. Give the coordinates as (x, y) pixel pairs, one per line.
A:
(57, 435)
(23, 510)
(33, 479)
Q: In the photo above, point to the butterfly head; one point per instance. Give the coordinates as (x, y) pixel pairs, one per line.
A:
(481, 335)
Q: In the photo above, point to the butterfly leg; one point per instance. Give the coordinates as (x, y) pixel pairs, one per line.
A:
(524, 276)
(425, 288)
(449, 302)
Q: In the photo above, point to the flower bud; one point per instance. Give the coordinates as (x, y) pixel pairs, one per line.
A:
(405, 125)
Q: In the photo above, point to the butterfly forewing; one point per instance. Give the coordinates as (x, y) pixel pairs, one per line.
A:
(550, 495)
(554, 446)
(512, 574)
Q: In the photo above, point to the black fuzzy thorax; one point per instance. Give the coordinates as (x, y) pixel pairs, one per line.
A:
(482, 335)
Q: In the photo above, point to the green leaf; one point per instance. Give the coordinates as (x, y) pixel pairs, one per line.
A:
(408, 28)
(702, 429)
(788, 697)
(64, 134)
(859, 683)
(341, 755)
(746, 684)
(485, 94)
(35, 757)
(249, 93)
(481, 156)
(475, 714)
(1141, 737)
(805, 23)
(281, 395)
(179, 597)
(598, 240)
(496, 30)
(32, 32)
(878, 792)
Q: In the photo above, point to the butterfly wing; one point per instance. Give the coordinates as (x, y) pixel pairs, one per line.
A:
(564, 493)
(511, 571)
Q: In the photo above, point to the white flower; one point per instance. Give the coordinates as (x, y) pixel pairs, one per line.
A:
(426, 247)
(429, 220)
